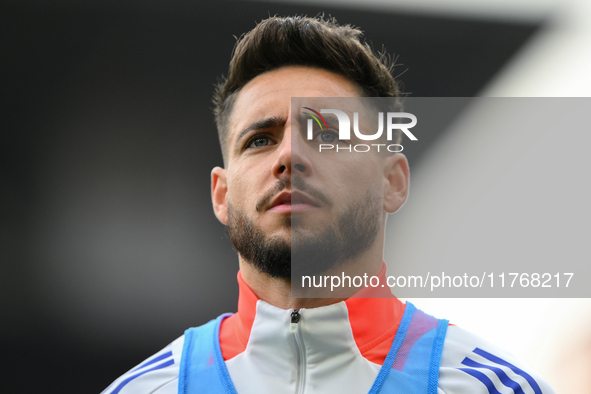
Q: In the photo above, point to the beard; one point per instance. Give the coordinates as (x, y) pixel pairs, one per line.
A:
(309, 251)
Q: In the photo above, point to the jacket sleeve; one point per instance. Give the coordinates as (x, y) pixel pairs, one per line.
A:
(157, 374)
(471, 365)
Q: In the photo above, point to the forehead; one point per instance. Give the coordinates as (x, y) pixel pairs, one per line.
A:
(269, 94)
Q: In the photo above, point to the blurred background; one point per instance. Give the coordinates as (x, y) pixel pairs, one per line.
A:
(109, 248)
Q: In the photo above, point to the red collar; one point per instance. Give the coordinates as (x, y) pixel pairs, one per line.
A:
(374, 322)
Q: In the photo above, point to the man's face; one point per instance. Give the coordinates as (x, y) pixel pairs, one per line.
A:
(278, 192)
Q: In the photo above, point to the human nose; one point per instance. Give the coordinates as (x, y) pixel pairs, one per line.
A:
(292, 156)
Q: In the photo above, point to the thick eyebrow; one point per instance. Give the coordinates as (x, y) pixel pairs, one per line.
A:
(267, 123)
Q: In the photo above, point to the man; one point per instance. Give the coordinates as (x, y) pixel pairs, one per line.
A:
(280, 198)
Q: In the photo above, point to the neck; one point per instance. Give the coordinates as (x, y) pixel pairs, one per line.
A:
(277, 291)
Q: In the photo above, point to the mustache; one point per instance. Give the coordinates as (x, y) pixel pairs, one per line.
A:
(298, 183)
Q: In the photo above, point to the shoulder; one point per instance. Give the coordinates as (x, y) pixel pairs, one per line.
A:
(157, 374)
(471, 365)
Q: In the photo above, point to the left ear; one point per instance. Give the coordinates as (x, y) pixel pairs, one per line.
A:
(396, 182)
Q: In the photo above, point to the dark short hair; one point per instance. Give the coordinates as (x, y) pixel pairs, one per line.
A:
(302, 41)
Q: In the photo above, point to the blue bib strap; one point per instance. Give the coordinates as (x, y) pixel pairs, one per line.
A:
(436, 356)
(412, 365)
(202, 367)
(384, 373)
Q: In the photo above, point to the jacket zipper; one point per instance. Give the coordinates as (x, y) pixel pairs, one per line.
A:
(301, 356)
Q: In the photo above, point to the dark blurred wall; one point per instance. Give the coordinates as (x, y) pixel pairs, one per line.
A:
(109, 247)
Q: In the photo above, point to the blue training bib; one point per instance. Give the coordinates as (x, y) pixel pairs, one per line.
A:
(411, 366)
